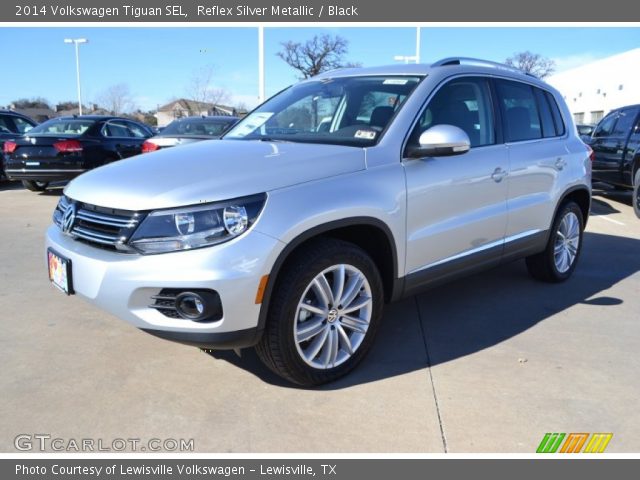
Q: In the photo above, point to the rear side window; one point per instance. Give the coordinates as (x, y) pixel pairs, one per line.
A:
(546, 118)
(5, 124)
(555, 113)
(116, 129)
(519, 110)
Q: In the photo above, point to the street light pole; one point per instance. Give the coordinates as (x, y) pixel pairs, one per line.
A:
(77, 42)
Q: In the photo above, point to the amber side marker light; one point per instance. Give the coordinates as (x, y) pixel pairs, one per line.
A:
(262, 286)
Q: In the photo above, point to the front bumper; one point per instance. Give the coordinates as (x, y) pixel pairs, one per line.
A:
(123, 284)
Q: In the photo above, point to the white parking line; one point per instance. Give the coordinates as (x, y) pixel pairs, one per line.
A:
(609, 219)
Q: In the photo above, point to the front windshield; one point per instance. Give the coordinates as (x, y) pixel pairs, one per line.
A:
(62, 126)
(198, 126)
(344, 111)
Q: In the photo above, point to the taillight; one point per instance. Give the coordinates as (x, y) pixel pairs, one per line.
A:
(68, 146)
(10, 147)
(592, 154)
(148, 146)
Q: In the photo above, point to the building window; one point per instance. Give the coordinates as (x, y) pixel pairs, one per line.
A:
(599, 92)
(620, 87)
(578, 117)
(580, 94)
(596, 116)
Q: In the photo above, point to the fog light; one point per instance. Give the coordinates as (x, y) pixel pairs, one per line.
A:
(193, 306)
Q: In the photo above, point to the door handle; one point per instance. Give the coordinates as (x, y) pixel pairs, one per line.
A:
(560, 163)
(498, 174)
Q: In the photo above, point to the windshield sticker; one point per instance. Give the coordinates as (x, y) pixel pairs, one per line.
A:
(395, 81)
(365, 134)
(252, 123)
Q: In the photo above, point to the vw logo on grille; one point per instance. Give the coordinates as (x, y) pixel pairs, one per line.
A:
(68, 218)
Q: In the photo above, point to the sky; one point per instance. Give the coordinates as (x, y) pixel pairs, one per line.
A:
(157, 64)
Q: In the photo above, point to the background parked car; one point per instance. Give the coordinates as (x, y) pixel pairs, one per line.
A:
(616, 148)
(189, 130)
(12, 125)
(585, 132)
(63, 148)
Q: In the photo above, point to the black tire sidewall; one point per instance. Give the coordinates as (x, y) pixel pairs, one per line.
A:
(286, 314)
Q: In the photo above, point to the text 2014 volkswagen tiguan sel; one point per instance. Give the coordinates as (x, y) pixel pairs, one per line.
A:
(344, 191)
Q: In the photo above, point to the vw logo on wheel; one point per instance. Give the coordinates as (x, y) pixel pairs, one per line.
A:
(68, 218)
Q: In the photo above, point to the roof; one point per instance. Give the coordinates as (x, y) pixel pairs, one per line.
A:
(222, 118)
(194, 106)
(453, 65)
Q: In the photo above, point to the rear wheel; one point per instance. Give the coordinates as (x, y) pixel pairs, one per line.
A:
(636, 194)
(324, 313)
(558, 261)
(35, 186)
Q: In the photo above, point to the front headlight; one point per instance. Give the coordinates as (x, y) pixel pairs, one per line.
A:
(195, 227)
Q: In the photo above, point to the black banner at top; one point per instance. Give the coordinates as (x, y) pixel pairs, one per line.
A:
(316, 11)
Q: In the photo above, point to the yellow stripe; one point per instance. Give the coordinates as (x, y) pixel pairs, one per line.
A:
(607, 439)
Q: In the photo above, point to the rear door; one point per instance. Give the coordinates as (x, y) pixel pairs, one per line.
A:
(534, 135)
(139, 134)
(120, 139)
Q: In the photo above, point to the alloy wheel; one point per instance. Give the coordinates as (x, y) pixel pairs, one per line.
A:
(567, 242)
(333, 316)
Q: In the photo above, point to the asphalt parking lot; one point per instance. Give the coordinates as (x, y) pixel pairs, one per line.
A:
(486, 364)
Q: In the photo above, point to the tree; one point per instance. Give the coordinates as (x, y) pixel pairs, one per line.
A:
(317, 55)
(533, 63)
(36, 102)
(68, 105)
(201, 89)
(117, 99)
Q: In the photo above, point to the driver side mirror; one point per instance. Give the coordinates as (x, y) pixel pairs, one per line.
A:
(441, 141)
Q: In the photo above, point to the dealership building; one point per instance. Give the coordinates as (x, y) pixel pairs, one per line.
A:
(594, 89)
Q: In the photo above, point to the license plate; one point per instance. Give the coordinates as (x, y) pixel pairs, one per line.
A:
(60, 271)
(32, 164)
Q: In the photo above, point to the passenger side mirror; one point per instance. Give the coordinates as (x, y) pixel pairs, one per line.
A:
(441, 141)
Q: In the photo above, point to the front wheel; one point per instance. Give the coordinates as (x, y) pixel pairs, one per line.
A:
(325, 310)
(636, 194)
(35, 186)
(558, 261)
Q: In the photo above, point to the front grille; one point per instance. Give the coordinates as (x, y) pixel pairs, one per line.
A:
(165, 302)
(102, 227)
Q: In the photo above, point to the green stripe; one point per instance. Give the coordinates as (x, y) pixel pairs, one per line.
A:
(543, 443)
(557, 444)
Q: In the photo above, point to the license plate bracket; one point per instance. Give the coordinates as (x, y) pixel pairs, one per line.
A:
(60, 273)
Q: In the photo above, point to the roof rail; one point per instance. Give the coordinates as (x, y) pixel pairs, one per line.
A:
(479, 62)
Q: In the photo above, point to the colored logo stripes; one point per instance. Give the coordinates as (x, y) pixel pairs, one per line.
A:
(573, 442)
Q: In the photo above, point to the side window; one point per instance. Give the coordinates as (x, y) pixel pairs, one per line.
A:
(5, 125)
(605, 127)
(625, 122)
(22, 125)
(136, 130)
(555, 112)
(116, 129)
(546, 118)
(464, 103)
(519, 110)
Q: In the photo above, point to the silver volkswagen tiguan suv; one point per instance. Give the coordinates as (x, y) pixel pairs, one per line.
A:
(343, 192)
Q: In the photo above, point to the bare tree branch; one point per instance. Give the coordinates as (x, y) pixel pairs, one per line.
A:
(116, 99)
(201, 89)
(317, 55)
(533, 63)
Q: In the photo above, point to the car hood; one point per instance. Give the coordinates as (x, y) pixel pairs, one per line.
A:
(210, 171)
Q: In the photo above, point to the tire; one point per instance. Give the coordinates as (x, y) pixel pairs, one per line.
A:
(313, 361)
(559, 259)
(636, 194)
(35, 186)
